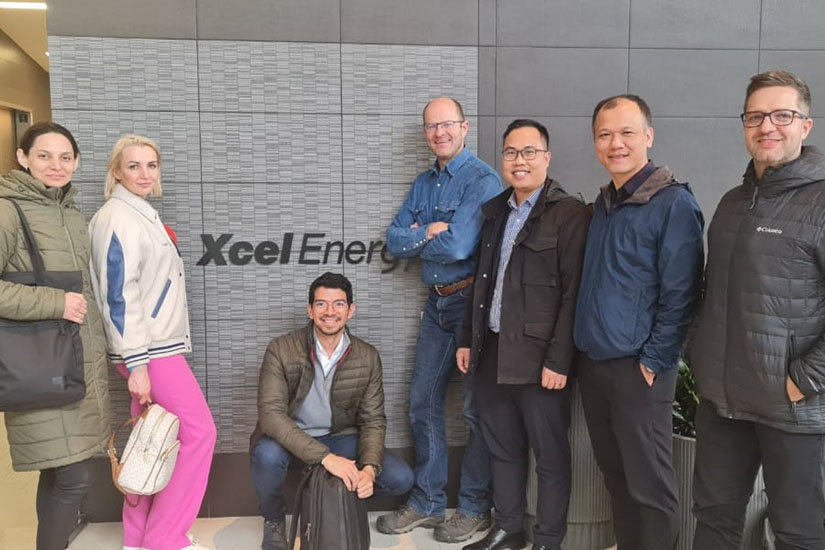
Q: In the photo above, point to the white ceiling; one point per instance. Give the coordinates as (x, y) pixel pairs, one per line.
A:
(28, 29)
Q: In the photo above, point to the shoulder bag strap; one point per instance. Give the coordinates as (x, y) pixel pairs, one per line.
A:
(31, 245)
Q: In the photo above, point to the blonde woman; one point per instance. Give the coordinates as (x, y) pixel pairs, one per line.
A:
(138, 279)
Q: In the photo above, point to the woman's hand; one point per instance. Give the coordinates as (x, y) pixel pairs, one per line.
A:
(74, 309)
(139, 384)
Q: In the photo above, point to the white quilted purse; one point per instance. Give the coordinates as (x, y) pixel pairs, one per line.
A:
(148, 460)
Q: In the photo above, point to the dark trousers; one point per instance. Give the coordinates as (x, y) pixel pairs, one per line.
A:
(60, 491)
(728, 455)
(513, 416)
(631, 430)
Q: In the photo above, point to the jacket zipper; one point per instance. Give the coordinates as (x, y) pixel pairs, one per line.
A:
(788, 374)
(753, 197)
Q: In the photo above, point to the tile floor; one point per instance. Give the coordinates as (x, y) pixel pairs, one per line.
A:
(245, 534)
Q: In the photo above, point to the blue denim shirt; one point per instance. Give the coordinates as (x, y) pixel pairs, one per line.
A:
(515, 221)
(453, 195)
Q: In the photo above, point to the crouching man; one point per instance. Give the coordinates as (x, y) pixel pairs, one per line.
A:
(321, 400)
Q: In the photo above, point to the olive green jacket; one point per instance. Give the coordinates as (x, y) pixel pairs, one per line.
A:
(357, 397)
(47, 438)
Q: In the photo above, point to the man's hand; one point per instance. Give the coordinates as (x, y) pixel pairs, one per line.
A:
(793, 390)
(366, 480)
(462, 359)
(551, 380)
(343, 468)
(649, 376)
(435, 228)
(140, 385)
(414, 225)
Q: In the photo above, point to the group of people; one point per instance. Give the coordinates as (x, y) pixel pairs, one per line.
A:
(132, 313)
(528, 287)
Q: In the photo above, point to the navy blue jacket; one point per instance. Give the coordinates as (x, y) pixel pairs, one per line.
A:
(642, 272)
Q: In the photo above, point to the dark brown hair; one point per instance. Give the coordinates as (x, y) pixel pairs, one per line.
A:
(780, 78)
(41, 128)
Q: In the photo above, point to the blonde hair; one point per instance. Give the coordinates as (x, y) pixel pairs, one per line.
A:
(115, 158)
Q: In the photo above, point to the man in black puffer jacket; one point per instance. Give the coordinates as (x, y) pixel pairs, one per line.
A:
(759, 347)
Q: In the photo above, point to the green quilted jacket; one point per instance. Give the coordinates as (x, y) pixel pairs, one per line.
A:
(47, 438)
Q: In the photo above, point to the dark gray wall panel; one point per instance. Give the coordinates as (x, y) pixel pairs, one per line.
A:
(489, 140)
(486, 81)
(707, 152)
(487, 22)
(809, 65)
(397, 148)
(584, 23)
(402, 79)
(726, 24)
(300, 20)
(794, 24)
(177, 134)
(271, 148)
(122, 18)
(123, 74)
(453, 23)
(557, 81)
(687, 82)
(274, 77)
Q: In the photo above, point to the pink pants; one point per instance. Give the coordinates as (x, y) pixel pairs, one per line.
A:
(160, 521)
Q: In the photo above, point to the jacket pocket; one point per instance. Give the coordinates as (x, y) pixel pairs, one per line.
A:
(162, 298)
(540, 265)
(542, 331)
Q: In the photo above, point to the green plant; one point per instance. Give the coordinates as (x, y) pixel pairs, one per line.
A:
(685, 402)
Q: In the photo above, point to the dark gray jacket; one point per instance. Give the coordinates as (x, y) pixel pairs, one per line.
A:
(763, 315)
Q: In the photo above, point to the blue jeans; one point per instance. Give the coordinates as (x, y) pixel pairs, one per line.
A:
(434, 363)
(269, 463)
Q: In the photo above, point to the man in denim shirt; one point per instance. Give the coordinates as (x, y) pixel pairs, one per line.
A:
(441, 221)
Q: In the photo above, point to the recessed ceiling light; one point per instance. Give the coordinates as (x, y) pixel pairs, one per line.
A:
(23, 5)
(47, 54)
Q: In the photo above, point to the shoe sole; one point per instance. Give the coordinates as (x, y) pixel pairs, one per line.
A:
(427, 523)
(462, 538)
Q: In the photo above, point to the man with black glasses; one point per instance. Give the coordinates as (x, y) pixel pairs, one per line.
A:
(518, 337)
(759, 346)
(440, 223)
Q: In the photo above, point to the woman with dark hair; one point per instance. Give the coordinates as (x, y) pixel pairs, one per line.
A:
(60, 441)
(138, 278)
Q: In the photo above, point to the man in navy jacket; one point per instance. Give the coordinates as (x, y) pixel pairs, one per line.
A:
(642, 270)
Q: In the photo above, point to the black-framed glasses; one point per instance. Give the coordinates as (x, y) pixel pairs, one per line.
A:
(779, 117)
(447, 125)
(528, 153)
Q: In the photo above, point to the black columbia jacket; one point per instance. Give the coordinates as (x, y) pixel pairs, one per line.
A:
(763, 315)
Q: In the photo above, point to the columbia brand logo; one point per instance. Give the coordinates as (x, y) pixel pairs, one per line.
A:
(762, 229)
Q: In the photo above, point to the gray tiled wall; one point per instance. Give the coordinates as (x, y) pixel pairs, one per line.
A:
(303, 116)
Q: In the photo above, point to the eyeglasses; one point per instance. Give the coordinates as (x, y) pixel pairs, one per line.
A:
(447, 125)
(337, 305)
(528, 153)
(779, 117)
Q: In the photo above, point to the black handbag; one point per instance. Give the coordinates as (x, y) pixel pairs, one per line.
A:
(331, 516)
(41, 362)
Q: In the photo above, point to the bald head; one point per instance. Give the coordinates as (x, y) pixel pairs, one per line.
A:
(444, 102)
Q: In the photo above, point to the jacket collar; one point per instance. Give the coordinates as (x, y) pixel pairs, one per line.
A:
(660, 178)
(807, 168)
(25, 186)
(141, 205)
(309, 343)
(455, 164)
(551, 192)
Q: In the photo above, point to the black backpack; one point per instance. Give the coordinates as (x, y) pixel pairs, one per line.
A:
(331, 517)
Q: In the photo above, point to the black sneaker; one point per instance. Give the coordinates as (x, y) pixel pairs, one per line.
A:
(274, 535)
(404, 520)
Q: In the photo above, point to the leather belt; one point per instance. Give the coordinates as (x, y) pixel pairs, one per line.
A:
(452, 288)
